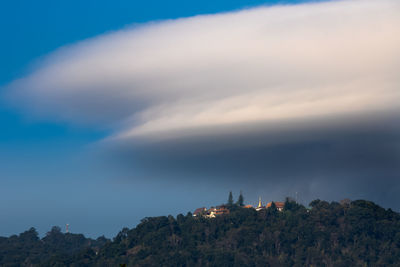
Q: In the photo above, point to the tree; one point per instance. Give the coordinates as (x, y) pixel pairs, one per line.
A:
(290, 204)
(55, 230)
(54, 236)
(240, 201)
(272, 209)
(368, 235)
(230, 199)
(29, 236)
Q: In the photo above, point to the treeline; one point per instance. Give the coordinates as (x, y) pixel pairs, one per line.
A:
(55, 249)
(358, 233)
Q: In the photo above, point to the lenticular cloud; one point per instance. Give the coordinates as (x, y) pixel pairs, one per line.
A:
(259, 66)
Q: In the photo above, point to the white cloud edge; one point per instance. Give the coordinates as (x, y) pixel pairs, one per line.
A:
(258, 65)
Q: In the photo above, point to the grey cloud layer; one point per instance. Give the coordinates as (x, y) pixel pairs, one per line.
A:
(290, 92)
(333, 158)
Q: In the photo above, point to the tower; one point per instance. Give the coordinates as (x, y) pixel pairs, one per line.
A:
(259, 203)
(67, 228)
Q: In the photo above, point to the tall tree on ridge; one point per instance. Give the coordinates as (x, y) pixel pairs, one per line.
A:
(240, 201)
(230, 199)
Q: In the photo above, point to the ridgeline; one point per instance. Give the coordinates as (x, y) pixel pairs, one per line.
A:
(358, 233)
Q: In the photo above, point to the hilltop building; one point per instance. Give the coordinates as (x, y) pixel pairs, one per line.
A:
(260, 206)
(214, 212)
(223, 209)
(199, 212)
(279, 205)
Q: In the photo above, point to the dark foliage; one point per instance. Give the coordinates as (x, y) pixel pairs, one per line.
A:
(230, 199)
(240, 201)
(55, 249)
(357, 233)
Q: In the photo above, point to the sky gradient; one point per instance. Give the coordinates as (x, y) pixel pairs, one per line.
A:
(114, 112)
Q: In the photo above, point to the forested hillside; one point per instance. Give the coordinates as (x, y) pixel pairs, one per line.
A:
(27, 249)
(359, 233)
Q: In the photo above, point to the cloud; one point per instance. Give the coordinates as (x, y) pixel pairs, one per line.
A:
(238, 93)
(259, 65)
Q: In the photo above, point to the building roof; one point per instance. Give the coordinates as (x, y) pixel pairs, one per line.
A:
(279, 205)
(199, 210)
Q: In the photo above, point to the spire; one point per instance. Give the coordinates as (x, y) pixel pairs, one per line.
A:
(259, 203)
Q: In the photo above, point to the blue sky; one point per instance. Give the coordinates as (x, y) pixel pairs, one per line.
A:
(41, 182)
(51, 174)
(33, 29)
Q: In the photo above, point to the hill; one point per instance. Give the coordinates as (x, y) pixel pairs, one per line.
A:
(359, 233)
